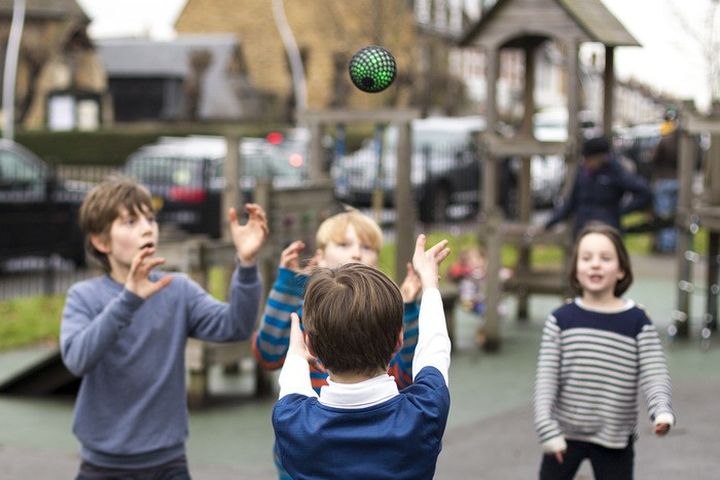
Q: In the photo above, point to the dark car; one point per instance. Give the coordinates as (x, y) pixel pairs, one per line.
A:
(445, 167)
(38, 211)
(185, 175)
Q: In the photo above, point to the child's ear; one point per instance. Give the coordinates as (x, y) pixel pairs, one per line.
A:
(620, 275)
(100, 243)
(319, 258)
(308, 344)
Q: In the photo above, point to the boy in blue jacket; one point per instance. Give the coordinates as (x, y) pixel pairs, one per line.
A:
(124, 333)
(361, 426)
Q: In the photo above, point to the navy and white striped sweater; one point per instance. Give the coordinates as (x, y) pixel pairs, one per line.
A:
(590, 368)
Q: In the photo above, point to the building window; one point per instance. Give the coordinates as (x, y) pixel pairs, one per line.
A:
(70, 111)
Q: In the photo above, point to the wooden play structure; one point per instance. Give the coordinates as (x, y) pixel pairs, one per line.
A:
(698, 207)
(404, 204)
(293, 213)
(525, 25)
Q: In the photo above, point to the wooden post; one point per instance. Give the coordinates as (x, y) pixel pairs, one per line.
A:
(232, 166)
(573, 94)
(686, 160)
(608, 90)
(317, 158)
(525, 200)
(404, 203)
(493, 288)
(713, 270)
(196, 351)
(491, 74)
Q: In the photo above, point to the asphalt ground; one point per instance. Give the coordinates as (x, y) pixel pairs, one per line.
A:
(489, 434)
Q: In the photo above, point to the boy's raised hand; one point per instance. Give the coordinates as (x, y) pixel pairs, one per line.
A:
(138, 281)
(410, 286)
(426, 263)
(248, 238)
(297, 342)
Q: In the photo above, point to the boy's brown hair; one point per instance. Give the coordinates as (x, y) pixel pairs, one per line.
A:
(101, 206)
(623, 257)
(333, 230)
(353, 316)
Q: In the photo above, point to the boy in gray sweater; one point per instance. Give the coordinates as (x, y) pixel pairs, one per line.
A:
(124, 333)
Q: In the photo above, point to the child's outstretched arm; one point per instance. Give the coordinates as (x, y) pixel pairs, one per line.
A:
(248, 238)
(547, 384)
(271, 341)
(401, 363)
(295, 374)
(654, 379)
(216, 321)
(433, 348)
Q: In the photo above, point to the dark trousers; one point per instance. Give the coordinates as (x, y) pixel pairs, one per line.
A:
(174, 470)
(607, 463)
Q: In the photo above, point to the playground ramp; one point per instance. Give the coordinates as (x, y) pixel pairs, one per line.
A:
(35, 372)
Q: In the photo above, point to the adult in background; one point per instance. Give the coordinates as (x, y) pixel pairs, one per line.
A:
(603, 191)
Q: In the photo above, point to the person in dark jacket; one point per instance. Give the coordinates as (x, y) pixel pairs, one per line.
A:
(601, 188)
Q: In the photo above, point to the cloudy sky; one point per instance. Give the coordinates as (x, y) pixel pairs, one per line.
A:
(670, 59)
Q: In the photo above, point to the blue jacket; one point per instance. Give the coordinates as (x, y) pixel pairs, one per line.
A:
(600, 196)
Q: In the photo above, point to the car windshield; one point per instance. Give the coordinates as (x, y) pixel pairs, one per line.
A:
(166, 170)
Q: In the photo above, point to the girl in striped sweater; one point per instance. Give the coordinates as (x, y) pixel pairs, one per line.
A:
(597, 352)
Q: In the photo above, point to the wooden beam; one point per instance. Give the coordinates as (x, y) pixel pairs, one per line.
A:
(608, 90)
(501, 147)
(312, 117)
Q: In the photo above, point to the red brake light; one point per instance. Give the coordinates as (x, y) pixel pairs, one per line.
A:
(187, 194)
(274, 138)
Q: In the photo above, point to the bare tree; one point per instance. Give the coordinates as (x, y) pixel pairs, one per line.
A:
(706, 39)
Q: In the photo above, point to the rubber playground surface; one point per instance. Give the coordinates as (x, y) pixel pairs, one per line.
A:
(489, 435)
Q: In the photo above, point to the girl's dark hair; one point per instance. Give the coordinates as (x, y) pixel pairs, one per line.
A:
(623, 257)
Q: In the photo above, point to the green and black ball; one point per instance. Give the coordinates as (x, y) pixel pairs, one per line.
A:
(372, 69)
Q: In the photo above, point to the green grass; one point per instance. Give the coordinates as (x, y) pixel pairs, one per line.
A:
(32, 320)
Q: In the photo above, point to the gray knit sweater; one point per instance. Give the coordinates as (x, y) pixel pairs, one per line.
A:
(131, 410)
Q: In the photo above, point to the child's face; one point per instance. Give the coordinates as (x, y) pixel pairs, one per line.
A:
(598, 267)
(351, 249)
(129, 233)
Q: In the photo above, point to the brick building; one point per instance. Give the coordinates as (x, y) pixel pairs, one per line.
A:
(327, 33)
(61, 83)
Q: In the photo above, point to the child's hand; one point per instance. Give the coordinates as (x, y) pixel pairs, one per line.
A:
(662, 429)
(137, 280)
(297, 342)
(248, 238)
(290, 257)
(426, 263)
(411, 286)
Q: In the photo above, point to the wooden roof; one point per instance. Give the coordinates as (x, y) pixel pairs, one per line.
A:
(57, 9)
(591, 16)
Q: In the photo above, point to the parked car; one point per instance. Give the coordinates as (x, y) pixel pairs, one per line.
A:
(38, 211)
(446, 169)
(185, 174)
